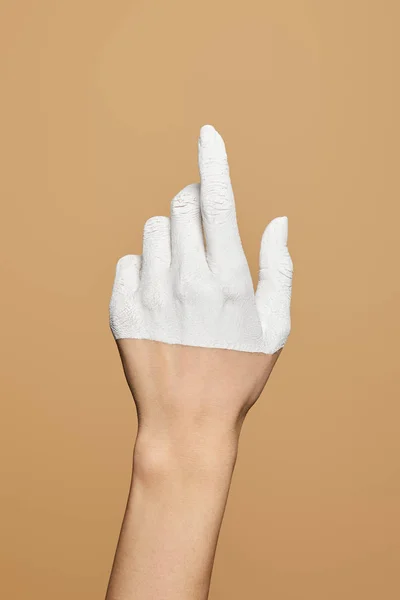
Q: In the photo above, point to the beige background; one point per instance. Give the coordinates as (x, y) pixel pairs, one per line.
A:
(101, 104)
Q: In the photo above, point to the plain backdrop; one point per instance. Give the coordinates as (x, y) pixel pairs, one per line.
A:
(101, 106)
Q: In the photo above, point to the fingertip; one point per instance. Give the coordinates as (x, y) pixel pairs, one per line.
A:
(210, 139)
(128, 269)
(124, 260)
(186, 200)
(129, 261)
(276, 231)
(212, 153)
(207, 135)
(156, 225)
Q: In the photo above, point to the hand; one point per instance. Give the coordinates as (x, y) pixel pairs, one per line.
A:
(197, 347)
(196, 343)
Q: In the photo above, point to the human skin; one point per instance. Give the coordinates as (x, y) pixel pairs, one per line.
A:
(191, 383)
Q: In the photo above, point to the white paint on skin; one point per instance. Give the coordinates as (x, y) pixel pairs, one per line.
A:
(181, 292)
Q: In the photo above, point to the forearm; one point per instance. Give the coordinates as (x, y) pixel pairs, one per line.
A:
(174, 512)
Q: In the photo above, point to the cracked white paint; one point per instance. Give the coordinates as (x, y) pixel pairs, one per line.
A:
(180, 292)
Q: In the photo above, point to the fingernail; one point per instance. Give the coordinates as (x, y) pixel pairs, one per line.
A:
(207, 135)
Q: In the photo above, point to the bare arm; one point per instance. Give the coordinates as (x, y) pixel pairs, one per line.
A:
(171, 526)
(196, 354)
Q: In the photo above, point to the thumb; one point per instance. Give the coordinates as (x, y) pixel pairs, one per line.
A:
(273, 294)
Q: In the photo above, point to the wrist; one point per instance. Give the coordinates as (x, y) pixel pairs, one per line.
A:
(188, 454)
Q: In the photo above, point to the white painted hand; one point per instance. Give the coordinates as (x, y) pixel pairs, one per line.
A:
(181, 291)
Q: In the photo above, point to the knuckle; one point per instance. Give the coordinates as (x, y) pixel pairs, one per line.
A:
(217, 197)
(285, 271)
(238, 285)
(152, 297)
(195, 288)
(284, 331)
(184, 291)
(287, 263)
(236, 290)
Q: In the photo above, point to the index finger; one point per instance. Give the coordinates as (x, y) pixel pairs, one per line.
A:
(224, 247)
